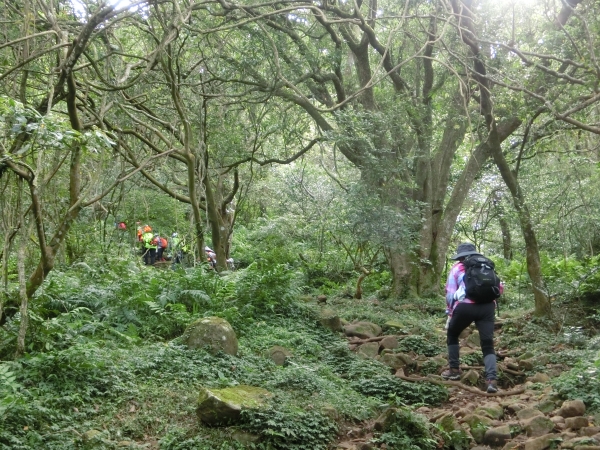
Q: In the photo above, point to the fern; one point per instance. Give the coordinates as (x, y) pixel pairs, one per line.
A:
(9, 390)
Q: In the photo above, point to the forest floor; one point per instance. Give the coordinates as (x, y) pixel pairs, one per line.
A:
(107, 369)
(526, 413)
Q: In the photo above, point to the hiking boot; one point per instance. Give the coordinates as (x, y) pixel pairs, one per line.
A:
(491, 386)
(451, 374)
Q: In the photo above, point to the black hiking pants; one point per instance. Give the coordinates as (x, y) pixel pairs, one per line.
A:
(150, 256)
(483, 314)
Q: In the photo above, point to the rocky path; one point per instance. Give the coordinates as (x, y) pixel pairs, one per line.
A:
(525, 414)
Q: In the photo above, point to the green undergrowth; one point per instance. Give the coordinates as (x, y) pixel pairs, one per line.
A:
(105, 366)
(147, 392)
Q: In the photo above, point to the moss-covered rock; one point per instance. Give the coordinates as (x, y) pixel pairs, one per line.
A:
(212, 333)
(369, 350)
(491, 410)
(478, 425)
(224, 406)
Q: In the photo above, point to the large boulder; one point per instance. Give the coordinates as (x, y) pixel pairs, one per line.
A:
(212, 333)
(224, 406)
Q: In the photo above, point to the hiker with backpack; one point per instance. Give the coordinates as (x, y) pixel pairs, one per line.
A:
(471, 292)
(161, 245)
(211, 257)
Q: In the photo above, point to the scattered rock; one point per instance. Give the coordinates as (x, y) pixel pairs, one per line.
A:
(591, 431)
(331, 412)
(465, 333)
(478, 425)
(546, 406)
(329, 319)
(539, 378)
(526, 364)
(571, 408)
(473, 340)
(491, 410)
(575, 423)
(363, 330)
(224, 406)
(279, 355)
(213, 333)
(470, 377)
(538, 426)
(514, 407)
(525, 355)
(528, 413)
(385, 420)
(397, 360)
(558, 420)
(448, 423)
(497, 436)
(369, 350)
(541, 442)
(393, 324)
(389, 342)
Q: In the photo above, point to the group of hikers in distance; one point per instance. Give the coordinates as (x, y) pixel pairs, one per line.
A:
(156, 248)
(472, 291)
(153, 246)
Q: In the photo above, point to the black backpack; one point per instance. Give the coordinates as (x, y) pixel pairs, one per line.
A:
(482, 285)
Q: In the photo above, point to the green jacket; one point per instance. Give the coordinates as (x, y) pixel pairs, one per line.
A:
(148, 238)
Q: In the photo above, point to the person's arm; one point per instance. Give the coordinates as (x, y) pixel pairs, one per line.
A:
(451, 286)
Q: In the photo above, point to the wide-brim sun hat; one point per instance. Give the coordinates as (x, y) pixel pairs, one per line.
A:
(465, 249)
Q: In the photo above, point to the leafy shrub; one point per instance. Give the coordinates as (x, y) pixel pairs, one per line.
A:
(581, 382)
(288, 429)
(419, 345)
(266, 289)
(10, 390)
(408, 431)
(389, 387)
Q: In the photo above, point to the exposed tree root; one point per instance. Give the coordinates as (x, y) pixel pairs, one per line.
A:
(462, 386)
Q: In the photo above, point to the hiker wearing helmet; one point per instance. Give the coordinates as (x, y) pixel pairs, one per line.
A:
(149, 246)
(471, 292)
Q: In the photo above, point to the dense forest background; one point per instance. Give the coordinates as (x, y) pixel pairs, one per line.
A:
(339, 149)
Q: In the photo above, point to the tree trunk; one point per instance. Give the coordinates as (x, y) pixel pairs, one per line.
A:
(534, 267)
(21, 274)
(218, 227)
(504, 228)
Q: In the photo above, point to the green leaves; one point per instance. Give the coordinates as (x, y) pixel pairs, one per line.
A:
(289, 429)
(9, 389)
